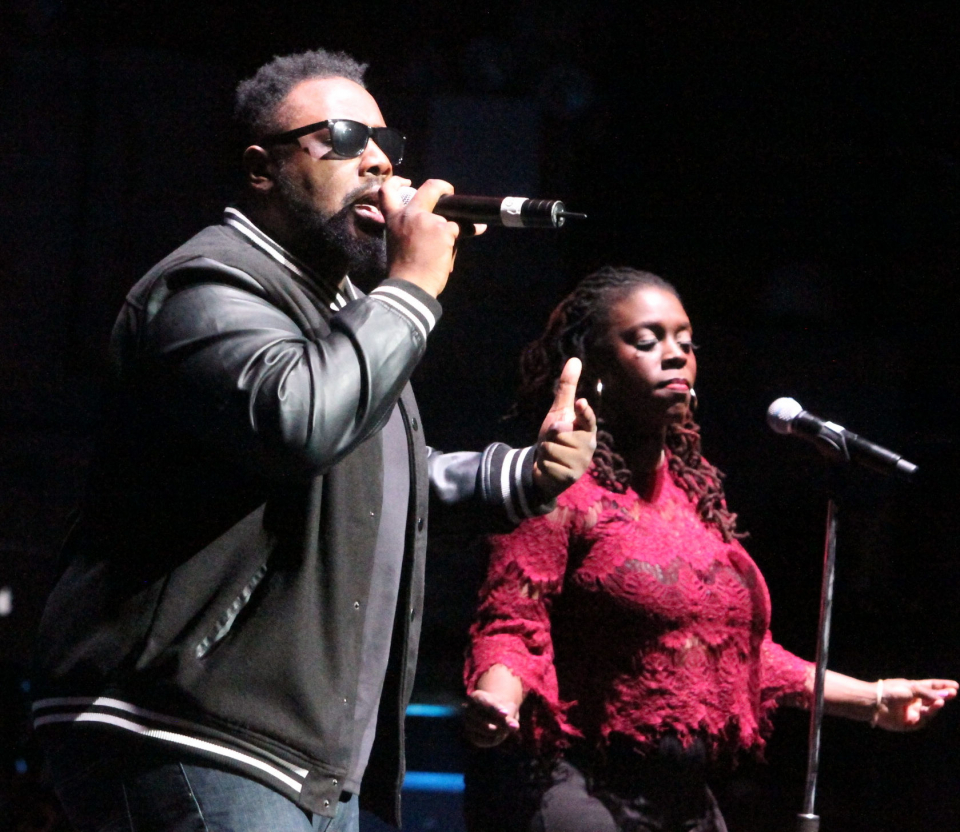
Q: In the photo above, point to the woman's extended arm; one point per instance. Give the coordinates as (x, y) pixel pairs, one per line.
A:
(510, 655)
(893, 704)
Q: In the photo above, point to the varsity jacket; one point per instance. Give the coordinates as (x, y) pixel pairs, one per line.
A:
(214, 589)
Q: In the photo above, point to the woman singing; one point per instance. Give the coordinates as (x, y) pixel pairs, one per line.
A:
(626, 634)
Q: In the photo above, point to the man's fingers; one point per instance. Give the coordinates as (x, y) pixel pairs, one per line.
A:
(567, 445)
(586, 418)
(559, 470)
(568, 437)
(390, 201)
(566, 393)
(562, 414)
(470, 229)
(429, 193)
(558, 451)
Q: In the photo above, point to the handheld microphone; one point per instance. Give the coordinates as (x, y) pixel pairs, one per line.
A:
(786, 416)
(509, 211)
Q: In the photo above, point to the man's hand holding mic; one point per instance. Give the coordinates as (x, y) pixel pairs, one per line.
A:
(421, 245)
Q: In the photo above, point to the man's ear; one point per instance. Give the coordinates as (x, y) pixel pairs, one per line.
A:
(258, 169)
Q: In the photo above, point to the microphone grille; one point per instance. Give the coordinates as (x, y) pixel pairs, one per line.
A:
(781, 413)
(406, 194)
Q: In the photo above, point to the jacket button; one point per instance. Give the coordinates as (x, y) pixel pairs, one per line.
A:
(356, 605)
(416, 424)
(326, 804)
(413, 613)
(335, 781)
(419, 524)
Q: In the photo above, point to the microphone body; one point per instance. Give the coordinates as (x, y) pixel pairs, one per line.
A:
(508, 211)
(786, 416)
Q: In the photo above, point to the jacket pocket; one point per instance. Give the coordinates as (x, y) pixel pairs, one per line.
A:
(226, 620)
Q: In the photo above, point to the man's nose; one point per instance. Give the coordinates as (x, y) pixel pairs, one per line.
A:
(374, 161)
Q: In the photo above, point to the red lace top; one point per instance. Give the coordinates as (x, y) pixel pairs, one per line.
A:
(629, 615)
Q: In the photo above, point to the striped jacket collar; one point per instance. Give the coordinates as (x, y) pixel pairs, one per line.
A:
(336, 297)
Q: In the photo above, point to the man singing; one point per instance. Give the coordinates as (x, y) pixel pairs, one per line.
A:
(232, 642)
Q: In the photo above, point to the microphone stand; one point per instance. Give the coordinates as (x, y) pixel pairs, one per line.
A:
(808, 820)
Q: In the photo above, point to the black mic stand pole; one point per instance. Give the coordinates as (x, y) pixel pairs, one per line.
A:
(808, 820)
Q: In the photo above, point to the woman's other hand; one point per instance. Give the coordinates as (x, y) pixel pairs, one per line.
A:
(908, 704)
(492, 712)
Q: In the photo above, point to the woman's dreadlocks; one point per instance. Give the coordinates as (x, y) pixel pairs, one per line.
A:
(575, 329)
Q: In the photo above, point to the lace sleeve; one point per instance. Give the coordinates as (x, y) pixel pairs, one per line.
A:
(784, 676)
(512, 625)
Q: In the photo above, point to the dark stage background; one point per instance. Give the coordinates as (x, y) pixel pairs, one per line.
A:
(793, 171)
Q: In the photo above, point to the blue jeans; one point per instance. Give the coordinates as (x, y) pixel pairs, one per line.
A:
(105, 787)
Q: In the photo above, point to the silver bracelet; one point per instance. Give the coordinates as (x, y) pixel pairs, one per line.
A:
(877, 705)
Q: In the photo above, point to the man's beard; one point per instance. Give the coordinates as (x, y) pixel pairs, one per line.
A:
(329, 244)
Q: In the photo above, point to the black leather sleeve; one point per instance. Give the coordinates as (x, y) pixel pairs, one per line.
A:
(232, 368)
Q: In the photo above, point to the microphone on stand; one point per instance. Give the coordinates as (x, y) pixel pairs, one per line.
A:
(786, 416)
(508, 211)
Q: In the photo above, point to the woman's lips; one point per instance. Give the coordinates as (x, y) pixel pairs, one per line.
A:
(679, 384)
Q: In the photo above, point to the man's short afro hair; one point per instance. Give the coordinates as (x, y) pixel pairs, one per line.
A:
(258, 98)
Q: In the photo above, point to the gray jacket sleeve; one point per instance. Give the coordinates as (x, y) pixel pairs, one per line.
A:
(499, 477)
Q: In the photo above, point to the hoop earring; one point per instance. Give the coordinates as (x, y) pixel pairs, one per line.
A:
(598, 402)
(693, 400)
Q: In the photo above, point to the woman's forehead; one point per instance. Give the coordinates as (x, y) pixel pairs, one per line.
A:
(648, 304)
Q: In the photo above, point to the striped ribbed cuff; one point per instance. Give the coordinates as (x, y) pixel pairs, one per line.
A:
(506, 479)
(420, 308)
(180, 733)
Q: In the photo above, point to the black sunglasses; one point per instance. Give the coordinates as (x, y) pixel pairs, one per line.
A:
(348, 138)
